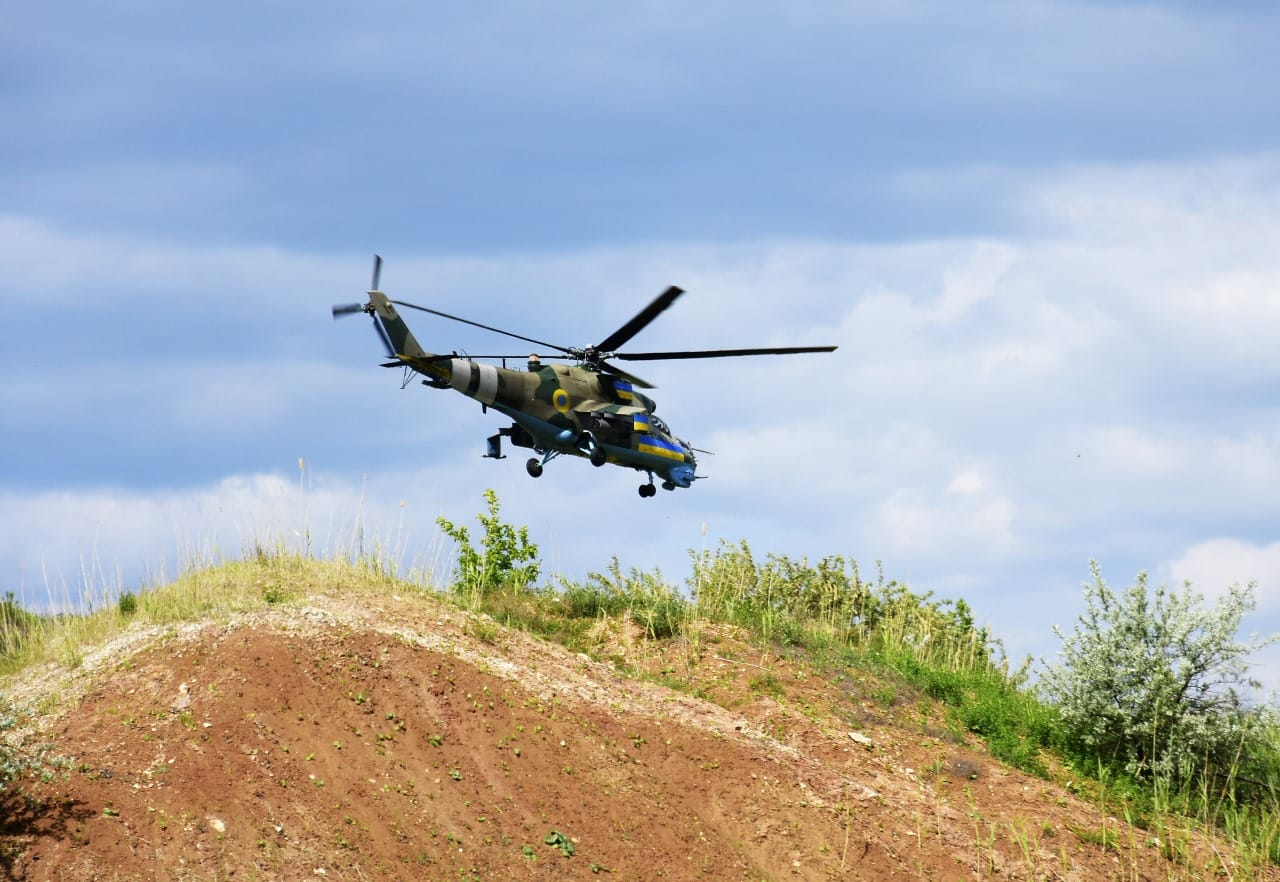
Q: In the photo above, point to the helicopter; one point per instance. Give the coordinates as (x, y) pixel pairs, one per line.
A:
(591, 408)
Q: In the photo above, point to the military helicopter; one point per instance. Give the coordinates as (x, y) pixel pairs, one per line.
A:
(591, 409)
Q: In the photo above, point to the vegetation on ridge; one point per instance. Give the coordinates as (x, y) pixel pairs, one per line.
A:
(1188, 745)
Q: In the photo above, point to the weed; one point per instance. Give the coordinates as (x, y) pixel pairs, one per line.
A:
(768, 684)
(1104, 837)
(556, 839)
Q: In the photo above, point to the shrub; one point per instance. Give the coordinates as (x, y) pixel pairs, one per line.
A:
(1151, 682)
(16, 626)
(648, 599)
(506, 557)
(17, 759)
(782, 598)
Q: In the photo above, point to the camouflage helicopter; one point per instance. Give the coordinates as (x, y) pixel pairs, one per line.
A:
(591, 409)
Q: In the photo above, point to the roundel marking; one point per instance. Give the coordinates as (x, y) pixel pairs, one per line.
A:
(560, 399)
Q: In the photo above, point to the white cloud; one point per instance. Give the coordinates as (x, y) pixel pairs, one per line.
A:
(1214, 565)
(929, 529)
(1133, 454)
(968, 482)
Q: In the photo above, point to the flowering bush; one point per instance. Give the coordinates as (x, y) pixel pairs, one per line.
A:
(1152, 681)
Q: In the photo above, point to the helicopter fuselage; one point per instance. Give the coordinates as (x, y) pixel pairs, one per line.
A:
(555, 409)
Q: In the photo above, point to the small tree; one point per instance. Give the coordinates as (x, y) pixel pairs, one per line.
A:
(1151, 680)
(506, 557)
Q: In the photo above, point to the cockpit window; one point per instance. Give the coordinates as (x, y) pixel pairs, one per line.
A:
(657, 423)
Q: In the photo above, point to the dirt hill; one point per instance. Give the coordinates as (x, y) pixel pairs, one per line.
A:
(359, 738)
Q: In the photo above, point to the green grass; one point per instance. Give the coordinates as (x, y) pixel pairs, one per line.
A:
(215, 591)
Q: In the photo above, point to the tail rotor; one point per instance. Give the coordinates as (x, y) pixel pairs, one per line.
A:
(342, 310)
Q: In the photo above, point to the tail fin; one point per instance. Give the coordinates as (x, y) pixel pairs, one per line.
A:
(397, 333)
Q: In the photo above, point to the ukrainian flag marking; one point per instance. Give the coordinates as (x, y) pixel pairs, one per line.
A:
(658, 447)
(640, 422)
(623, 388)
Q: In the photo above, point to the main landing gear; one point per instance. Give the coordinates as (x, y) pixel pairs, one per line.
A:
(594, 449)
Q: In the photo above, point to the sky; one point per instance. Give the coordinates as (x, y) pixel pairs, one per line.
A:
(1041, 233)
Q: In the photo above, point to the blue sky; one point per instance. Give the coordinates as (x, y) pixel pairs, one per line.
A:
(1042, 234)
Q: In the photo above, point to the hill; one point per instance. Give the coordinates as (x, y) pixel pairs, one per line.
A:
(363, 729)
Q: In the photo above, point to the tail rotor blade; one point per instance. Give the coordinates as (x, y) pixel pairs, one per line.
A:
(377, 272)
(382, 333)
(344, 309)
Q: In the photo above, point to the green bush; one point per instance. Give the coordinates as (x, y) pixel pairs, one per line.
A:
(1151, 683)
(506, 558)
(652, 604)
(16, 626)
(127, 603)
(17, 759)
(782, 597)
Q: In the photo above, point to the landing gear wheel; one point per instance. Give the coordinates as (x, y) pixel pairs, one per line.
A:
(534, 468)
(668, 485)
(597, 456)
(647, 490)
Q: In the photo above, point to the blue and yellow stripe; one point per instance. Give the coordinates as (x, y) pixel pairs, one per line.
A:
(658, 447)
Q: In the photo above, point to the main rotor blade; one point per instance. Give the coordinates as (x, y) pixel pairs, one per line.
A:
(641, 319)
(719, 353)
(455, 318)
(629, 377)
(467, 356)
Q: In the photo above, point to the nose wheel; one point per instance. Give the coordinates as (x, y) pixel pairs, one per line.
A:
(534, 468)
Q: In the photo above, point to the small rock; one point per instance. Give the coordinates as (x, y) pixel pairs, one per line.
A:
(864, 740)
